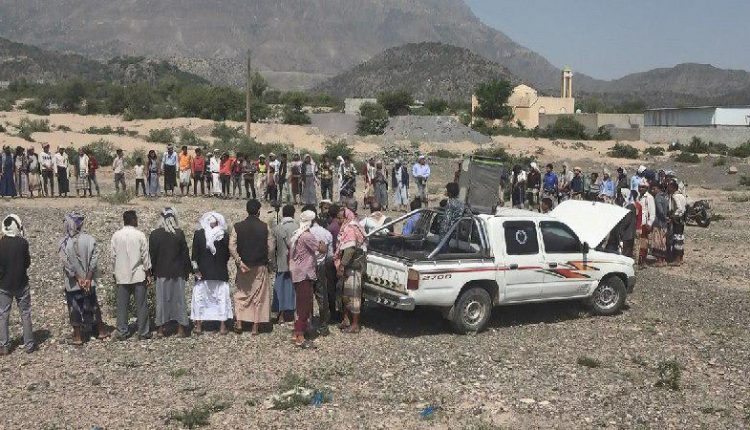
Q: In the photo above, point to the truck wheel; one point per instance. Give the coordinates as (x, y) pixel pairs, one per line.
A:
(609, 296)
(471, 311)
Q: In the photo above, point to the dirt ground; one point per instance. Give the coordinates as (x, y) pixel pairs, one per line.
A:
(537, 366)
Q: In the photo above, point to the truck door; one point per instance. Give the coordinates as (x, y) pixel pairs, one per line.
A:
(566, 275)
(523, 267)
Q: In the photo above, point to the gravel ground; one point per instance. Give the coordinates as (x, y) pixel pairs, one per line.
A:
(432, 129)
(540, 366)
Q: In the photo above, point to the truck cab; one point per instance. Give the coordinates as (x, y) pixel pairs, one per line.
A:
(512, 257)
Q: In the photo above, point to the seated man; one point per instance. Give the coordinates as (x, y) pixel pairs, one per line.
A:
(411, 223)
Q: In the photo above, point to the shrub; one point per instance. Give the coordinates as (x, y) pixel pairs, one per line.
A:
(35, 106)
(373, 119)
(444, 153)
(687, 157)
(396, 102)
(134, 155)
(106, 130)
(669, 375)
(293, 115)
(742, 198)
(250, 147)
(118, 199)
(744, 180)
(588, 362)
(198, 416)
(189, 138)
(223, 132)
(163, 135)
(34, 125)
(436, 106)
(717, 148)
(2, 129)
(675, 146)
(64, 128)
(499, 153)
(654, 151)
(567, 127)
(697, 146)
(721, 161)
(103, 150)
(622, 150)
(602, 134)
(742, 151)
(5, 105)
(338, 148)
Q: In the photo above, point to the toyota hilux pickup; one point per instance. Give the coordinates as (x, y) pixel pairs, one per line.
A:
(511, 257)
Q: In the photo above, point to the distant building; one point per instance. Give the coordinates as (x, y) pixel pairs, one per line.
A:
(4, 85)
(702, 116)
(352, 105)
(527, 104)
(719, 124)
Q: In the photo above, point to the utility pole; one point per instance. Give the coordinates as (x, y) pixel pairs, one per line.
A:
(249, 95)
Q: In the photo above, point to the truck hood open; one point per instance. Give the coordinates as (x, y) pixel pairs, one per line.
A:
(591, 221)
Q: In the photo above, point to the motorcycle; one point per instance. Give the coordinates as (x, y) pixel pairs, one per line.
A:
(699, 213)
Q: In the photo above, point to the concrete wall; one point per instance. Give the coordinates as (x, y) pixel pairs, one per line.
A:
(732, 136)
(626, 134)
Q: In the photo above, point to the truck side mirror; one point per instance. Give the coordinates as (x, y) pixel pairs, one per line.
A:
(585, 248)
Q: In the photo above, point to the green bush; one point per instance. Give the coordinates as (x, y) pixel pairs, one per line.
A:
(63, 128)
(294, 116)
(717, 148)
(250, 147)
(721, 161)
(26, 127)
(687, 157)
(567, 127)
(436, 106)
(134, 155)
(6, 105)
(106, 130)
(373, 119)
(223, 132)
(602, 134)
(444, 153)
(339, 148)
(670, 374)
(744, 181)
(396, 102)
(2, 129)
(654, 151)
(190, 139)
(199, 415)
(499, 153)
(622, 150)
(163, 135)
(35, 107)
(103, 150)
(696, 146)
(742, 151)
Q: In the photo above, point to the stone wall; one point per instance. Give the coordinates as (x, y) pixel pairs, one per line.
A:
(732, 136)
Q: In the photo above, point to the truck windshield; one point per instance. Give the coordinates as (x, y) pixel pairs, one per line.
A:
(416, 237)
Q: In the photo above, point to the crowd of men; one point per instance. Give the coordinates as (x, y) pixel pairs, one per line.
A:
(318, 256)
(656, 200)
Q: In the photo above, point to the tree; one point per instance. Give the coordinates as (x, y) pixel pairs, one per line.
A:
(493, 98)
(373, 119)
(258, 86)
(567, 127)
(396, 102)
(293, 113)
(71, 96)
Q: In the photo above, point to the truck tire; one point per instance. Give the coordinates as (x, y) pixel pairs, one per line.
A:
(609, 297)
(472, 311)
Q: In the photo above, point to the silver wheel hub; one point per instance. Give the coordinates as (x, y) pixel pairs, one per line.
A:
(473, 312)
(607, 297)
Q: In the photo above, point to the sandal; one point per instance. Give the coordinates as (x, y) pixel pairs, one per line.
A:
(305, 345)
(352, 330)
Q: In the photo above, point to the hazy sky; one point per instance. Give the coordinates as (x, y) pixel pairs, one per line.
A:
(611, 38)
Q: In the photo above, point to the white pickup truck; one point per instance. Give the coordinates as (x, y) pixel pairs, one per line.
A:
(510, 258)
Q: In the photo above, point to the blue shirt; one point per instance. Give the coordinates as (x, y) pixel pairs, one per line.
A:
(608, 188)
(550, 181)
(411, 224)
(169, 160)
(635, 182)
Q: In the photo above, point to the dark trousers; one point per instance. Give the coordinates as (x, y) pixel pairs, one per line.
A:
(92, 180)
(48, 176)
(141, 308)
(321, 295)
(326, 189)
(304, 304)
(280, 190)
(198, 178)
(225, 180)
(142, 184)
(271, 191)
(120, 181)
(628, 247)
(250, 187)
(23, 301)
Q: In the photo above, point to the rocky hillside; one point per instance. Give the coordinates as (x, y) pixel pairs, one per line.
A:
(18, 60)
(427, 70)
(296, 43)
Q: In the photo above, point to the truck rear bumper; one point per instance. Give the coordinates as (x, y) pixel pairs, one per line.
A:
(388, 298)
(631, 284)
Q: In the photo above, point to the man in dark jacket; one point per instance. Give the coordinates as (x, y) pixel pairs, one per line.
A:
(170, 261)
(249, 246)
(14, 282)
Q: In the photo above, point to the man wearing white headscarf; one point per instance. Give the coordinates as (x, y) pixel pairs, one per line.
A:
(304, 249)
(79, 255)
(211, 300)
(214, 167)
(15, 260)
(170, 259)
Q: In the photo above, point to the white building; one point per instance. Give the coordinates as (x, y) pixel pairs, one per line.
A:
(704, 116)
